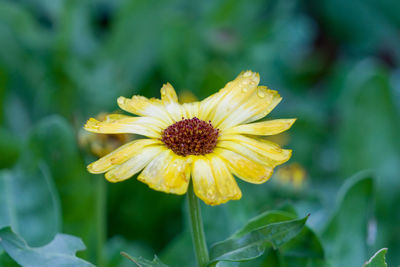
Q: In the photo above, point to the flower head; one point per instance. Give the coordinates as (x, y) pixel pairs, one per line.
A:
(205, 141)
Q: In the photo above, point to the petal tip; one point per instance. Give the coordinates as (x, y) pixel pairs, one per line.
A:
(91, 125)
(112, 178)
(92, 169)
(254, 77)
(121, 100)
(291, 122)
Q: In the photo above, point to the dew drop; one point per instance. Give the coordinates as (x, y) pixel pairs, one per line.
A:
(247, 74)
(244, 90)
(261, 94)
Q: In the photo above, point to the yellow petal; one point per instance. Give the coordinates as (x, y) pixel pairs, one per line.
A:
(204, 184)
(134, 165)
(266, 152)
(191, 110)
(168, 94)
(271, 127)
(212, 182)
(207, 106)
(170, 101)
(120, 155)
(167, 172)
(226, 184)
(115, 124)
(244, 168)
(261, 102)
(143, 106)
(220, 105)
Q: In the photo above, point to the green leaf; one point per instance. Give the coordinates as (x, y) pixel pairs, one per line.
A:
(262, 220)
(378, 260)
(116, 244)
(74, 183)
(9, 148)
(368, 133)
(29, 202)
(179, 252)
(349, 222)
(59, 252)
(303, 250)
(142, 262)
(368, 110)
(6, 260)
(269, 229)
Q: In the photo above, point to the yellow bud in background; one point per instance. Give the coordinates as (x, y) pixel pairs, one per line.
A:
(292, 174)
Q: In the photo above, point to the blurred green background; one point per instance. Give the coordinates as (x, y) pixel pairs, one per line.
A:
(336, 64)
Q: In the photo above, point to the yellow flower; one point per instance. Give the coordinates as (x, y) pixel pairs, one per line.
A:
(205, 141)
(187, 97)
(293, 174)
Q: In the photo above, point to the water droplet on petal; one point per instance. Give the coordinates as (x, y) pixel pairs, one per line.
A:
(261, 94)
(244, 90)
(247, 74)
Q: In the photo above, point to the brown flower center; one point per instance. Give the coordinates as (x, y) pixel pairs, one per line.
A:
(190, 137)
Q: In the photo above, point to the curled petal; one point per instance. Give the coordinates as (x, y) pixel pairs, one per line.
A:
(116, 123)
(271, 127)
(170, 102)
(168, 94)
(143, 106)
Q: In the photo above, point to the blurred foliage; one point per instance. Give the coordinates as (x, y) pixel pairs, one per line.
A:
(336, 63)
(356, 192)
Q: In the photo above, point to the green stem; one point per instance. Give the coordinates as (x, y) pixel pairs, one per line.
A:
(199, 239)
(100, 220)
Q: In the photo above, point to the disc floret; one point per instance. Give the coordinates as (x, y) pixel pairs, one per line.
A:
(190, 137)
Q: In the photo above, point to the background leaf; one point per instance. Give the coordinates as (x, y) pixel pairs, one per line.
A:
(352, 215)
(369, 123)
(305, 249)
(59, 252)
(9, 148)
(29, 202)
(254, 238)
(65, 164)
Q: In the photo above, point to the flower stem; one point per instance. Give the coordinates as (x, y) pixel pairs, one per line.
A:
(196, 223)
(100, 220)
